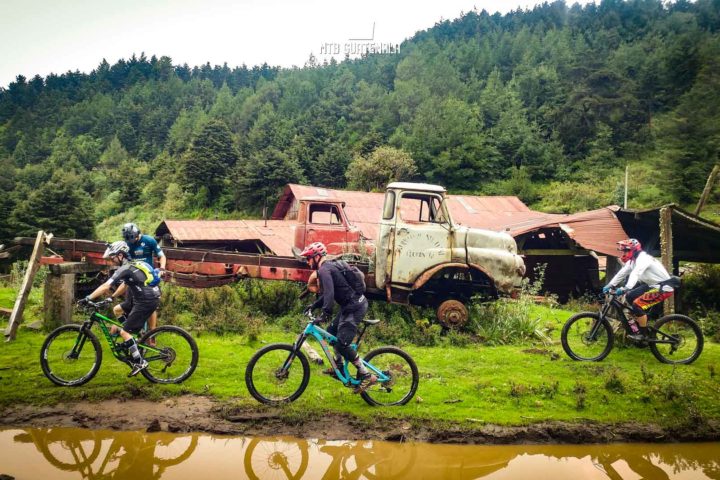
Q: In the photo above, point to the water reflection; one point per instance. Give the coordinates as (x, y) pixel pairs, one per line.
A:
(102, 454)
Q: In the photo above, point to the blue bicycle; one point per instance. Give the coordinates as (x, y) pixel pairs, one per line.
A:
(273, 375)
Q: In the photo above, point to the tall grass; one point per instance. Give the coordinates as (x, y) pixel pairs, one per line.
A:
(245, 307)
(510, 321)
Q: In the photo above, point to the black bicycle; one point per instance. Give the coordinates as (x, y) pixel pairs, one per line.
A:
(71, 355)
(590, 336)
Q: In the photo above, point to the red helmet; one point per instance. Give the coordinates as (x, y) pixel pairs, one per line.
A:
(630, 249)
(313, 249)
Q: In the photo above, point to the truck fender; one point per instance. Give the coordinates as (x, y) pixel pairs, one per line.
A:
(428, 274)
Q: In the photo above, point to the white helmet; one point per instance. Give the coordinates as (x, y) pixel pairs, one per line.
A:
(116, 248)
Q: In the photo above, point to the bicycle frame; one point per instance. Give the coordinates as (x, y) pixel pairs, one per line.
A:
(103, 322)
(612, 302)
(325, 339)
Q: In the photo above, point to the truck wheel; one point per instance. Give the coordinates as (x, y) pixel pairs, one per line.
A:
(452, 314)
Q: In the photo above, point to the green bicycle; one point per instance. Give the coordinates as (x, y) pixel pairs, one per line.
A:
(71, 354)
(274, 377)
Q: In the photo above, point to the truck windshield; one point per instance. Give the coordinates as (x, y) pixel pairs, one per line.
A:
(324, 214)
(421, 208)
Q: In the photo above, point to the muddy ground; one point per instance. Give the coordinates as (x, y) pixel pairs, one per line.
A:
(203, 414)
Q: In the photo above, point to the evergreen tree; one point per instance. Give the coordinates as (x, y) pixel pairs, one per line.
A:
(259, 179)
(208, 160)
(59, 206)
(7, 203)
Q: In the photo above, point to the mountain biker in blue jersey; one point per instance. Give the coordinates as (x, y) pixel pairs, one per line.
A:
(142, 247)
(353, 306)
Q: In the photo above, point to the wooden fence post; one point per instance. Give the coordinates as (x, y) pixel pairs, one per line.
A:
(60, 291)
(59, 299)
(666, 250)
(21, 300)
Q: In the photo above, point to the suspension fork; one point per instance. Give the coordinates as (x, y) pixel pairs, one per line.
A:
(601, 319)
(81, 338)
(296, 348)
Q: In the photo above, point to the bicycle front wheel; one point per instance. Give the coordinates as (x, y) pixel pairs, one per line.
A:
(681, 340)
(587, 338)
(171, 353)
(70, 356)
(401, 377)
(268, 382)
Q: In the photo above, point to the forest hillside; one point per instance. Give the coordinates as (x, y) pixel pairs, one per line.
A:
(550, 104)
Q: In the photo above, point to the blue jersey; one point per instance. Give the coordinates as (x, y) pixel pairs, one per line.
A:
(144, 248)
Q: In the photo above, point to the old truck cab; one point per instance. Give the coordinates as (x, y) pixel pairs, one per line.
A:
(423, 258)
(320, 219)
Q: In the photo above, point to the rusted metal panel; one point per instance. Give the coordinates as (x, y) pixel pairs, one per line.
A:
(276, 235)
(597, 230)
(364, 208)
(202, 268)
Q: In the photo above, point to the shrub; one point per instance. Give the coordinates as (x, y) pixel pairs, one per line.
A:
(507, 321)
(271, 298)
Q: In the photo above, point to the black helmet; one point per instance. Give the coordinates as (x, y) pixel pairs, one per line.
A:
(130, 232)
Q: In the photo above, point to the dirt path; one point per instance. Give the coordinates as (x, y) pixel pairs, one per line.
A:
(202, 414)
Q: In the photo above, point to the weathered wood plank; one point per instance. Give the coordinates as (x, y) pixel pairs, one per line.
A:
(74, 267)
(19, 308)
(666, 251)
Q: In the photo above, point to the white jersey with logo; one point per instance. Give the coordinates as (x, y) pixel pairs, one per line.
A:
(644, 268)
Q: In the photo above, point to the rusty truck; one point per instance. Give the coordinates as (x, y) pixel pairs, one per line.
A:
(420, 256)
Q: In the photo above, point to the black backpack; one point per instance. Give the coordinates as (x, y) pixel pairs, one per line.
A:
(353, 276)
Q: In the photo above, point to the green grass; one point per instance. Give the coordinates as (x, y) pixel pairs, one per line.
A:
(465, 385)
(7, 297)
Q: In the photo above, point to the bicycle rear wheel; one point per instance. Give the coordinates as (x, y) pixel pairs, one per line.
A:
(175, 357)
(70, 356)
(402, 373)
(587, 338)
(268, 382)
(684, 337)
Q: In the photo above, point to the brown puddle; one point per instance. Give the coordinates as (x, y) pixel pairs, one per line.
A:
(58, 453)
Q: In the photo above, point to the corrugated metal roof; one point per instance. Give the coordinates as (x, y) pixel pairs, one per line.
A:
(493, 213)
(278, 235)
(597, 230)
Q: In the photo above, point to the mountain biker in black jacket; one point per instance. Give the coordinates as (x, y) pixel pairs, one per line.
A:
(353, 306)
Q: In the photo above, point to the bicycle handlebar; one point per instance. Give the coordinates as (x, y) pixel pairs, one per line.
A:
(94, 305)
(313, 319)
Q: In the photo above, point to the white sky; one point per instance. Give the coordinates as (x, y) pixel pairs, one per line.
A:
(44, 36)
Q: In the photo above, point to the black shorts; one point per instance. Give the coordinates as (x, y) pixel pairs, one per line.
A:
(137, 313)
(345, 324)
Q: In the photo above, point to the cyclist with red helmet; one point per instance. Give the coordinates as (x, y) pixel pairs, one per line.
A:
(353, 306)
(645, 285)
